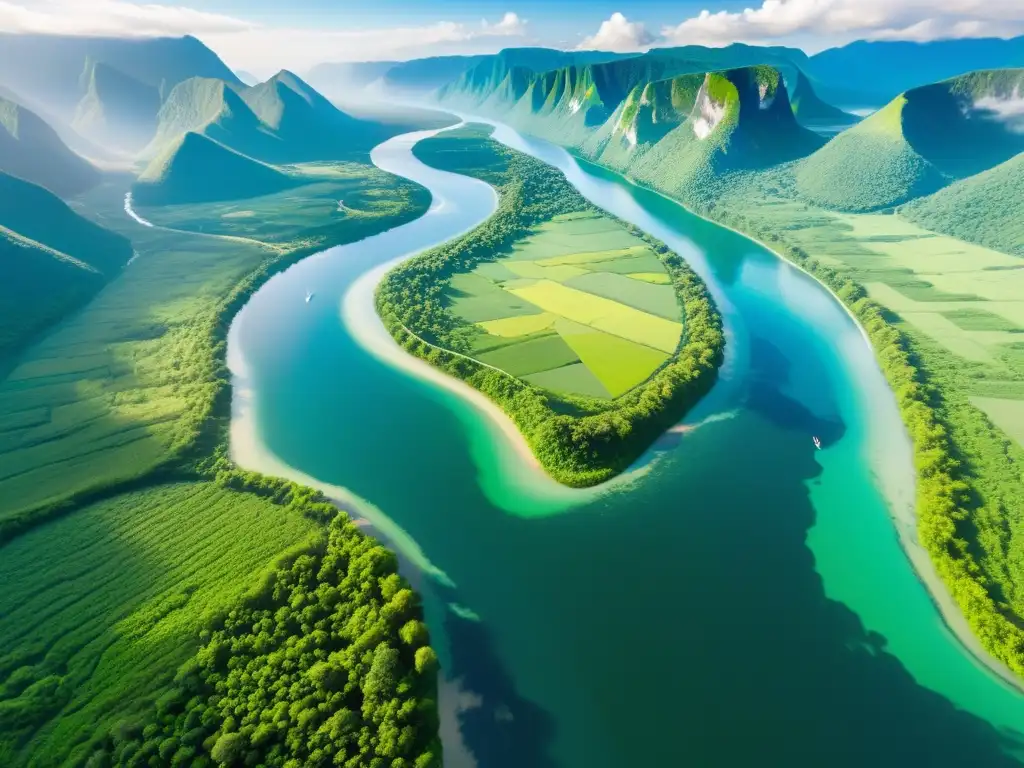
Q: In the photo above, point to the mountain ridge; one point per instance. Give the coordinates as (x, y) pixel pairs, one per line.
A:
(198, 169)
(31, 149)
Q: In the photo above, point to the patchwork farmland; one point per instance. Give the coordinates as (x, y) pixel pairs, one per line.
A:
(579, 307)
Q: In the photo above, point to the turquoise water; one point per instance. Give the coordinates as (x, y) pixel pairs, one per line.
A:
(741, 600)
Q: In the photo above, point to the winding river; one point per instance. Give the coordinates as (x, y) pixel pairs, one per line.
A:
(738, 599)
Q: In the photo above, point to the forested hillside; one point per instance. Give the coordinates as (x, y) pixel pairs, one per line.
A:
(167, 565)
(54, 260)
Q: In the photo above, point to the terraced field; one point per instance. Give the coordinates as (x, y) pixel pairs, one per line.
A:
(97, 634)
(580, 306)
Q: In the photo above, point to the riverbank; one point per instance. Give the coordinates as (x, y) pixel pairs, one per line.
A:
(904, 516)
(733, 504)
(580, 440)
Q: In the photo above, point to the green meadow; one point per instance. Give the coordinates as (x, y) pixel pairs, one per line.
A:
(127, 384)
(112, 461)
(964, 299)
(558, 311)
(338, 197)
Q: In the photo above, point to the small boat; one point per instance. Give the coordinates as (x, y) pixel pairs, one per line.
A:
(817, 442)
(309, 296)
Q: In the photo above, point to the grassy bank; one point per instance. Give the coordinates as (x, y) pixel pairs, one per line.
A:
(579, 439)
(943, 335)
(138, 560)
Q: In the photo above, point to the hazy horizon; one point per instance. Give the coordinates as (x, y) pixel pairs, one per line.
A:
(262, 38)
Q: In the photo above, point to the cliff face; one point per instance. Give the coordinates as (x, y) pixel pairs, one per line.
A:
(921, 141)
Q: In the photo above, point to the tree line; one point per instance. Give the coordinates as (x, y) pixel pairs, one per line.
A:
(579, 441)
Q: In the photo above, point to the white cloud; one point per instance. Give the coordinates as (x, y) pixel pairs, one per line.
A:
(248, 45)
(618, 33)
(842, 20)
(302, 48)
(113, 18)
(509, 26)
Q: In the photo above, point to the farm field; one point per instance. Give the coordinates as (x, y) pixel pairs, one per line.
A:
(94, 634)
(580, 307)
(116, 389)
(963, 298)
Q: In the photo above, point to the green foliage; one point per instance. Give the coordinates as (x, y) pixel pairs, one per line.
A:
(113, 432)
(970, 476)
(579, 441)
(306, 671)
(987, 209)
(96, 632)
(137, 381)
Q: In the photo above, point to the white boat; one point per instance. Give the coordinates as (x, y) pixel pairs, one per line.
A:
(309, 296)
(817, 442)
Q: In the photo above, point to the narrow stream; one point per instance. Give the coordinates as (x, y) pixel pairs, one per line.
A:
(739, 599)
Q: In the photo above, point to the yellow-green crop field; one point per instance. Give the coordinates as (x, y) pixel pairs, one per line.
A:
(580, 306)
(965, 298)
(103, 605)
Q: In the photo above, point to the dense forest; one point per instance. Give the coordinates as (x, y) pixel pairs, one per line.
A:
(580, 441)
(326, 663)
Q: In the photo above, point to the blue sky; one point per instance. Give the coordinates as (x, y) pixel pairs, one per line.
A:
(264, 35)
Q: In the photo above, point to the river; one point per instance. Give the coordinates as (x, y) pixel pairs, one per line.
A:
(739, 598)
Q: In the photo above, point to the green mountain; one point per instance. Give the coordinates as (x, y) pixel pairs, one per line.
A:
(48, 68)
(812, 112)
(678, 131)
(590, 91)
(209, 106)
(306, 124)
(53, 260)
(429, 74)
(921, 141)
(987, 208)
(197, 169)
(872, 73)
(283, 120)
(32, 150)
(117, 110)
(684, 134)
(425, 75)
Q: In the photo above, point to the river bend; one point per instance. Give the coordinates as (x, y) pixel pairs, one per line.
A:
(739, 598)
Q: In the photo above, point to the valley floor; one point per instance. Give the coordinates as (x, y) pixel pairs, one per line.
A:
(124, 531)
